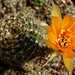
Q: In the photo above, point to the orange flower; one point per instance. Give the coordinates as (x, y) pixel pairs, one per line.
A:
(61, 36)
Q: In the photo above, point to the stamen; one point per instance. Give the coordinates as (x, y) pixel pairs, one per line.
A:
(64, 38)
(62, 31)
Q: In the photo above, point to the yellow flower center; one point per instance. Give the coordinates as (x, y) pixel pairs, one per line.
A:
(64, 38)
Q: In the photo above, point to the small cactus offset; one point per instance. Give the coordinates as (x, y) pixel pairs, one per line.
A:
(38, 3)
(21, 38)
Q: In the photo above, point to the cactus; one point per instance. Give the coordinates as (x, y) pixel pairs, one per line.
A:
(21, 39)
(39, 2)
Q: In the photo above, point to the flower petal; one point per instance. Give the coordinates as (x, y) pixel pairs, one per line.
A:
(68, 53)
(56, 11)
(52, 38)
(49, 29)
(44, 25)
(48, 43)
(67, 22)
(73, 42)
(56, 25)
(72, 26)
(68, 63)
